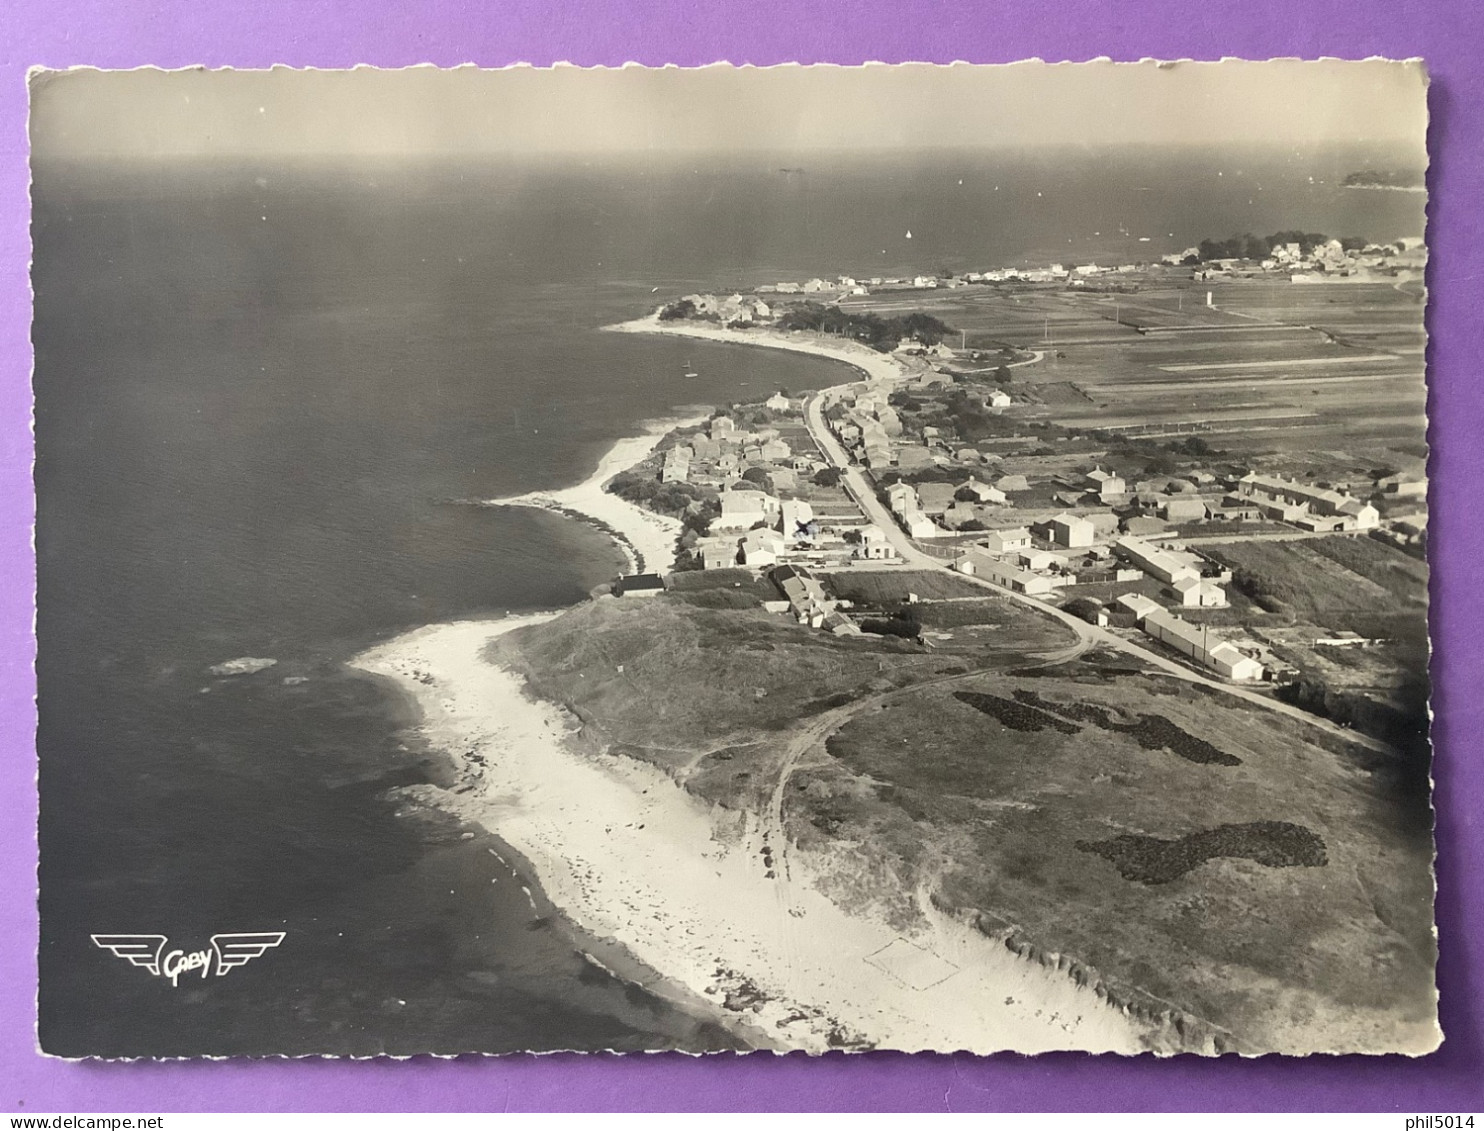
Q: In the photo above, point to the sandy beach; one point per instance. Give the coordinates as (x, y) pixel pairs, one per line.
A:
(648, 539)
(631, 857)
(877, 366)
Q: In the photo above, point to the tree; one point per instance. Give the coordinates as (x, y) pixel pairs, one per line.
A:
(683, 308)
(759, 476)
(1084, 607)
(1002, 375)
(827, 477)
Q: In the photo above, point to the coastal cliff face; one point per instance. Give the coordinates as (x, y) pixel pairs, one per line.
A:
(1204, 872)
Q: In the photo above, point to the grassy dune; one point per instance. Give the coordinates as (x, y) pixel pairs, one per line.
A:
(1193, 853)
(708, 694)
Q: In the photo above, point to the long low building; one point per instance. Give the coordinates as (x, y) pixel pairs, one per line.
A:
(1198, 642)
(1160, 564)
(978, 564)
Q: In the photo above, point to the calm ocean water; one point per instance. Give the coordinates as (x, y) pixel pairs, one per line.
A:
(255, 386)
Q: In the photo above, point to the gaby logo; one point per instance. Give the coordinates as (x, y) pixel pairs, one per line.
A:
(227, 953)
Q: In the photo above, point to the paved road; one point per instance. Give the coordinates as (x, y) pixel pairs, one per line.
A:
(855, 483)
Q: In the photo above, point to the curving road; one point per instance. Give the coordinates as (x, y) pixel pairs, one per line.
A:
(872, 507)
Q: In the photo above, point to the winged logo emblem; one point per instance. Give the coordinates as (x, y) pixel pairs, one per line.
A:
(240, 949)
(227, 952)
(137, 950)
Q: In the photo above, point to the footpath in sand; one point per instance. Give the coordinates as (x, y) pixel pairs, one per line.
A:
(630, 856)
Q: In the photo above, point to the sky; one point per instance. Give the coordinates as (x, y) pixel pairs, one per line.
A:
(570, 110)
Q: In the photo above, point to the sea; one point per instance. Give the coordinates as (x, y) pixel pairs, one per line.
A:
(263, 387)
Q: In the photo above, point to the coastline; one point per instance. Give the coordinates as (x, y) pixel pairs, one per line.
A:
(671, 885)
(876, 366)
(647, 539)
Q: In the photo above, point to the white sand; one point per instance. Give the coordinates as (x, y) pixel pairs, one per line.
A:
(653, 535)
(629, 855)
(880, 366)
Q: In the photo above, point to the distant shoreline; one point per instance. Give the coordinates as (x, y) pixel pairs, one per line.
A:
(874, 365)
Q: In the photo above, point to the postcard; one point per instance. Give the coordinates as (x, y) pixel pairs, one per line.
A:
(903, 557)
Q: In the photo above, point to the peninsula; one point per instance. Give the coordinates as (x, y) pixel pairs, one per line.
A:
(941, 712)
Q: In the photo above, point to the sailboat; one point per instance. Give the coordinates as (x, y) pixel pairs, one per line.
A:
(689, 372)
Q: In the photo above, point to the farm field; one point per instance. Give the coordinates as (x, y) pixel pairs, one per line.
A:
(1297, 367)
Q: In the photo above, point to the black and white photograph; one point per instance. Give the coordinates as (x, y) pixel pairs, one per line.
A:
(807, 558)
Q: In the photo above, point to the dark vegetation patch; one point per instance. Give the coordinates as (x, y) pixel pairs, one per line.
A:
(828, 703)
(875, 331)
(1152, 860)
(1016, 716)
(1152, 732)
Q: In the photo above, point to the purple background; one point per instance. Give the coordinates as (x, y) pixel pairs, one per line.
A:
(340, 33)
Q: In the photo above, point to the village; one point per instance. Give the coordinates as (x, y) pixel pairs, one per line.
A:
(1119, 553)
(965, 464)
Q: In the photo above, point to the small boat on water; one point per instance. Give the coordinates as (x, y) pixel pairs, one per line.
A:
(689, 372)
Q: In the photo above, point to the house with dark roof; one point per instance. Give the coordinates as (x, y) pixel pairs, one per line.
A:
(640, 585)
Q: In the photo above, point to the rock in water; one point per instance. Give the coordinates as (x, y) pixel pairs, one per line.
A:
(243, 665)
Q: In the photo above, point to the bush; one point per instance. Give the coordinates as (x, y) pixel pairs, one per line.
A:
(1083, 607)
(907, 627)
(759, 476)
(684, 308)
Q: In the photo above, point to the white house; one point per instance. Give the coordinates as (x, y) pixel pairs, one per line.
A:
(1138, 604)
(983, 491)
(742, 508)
(1106, 484)
(761, 547)
(873, 544)
(1039, 559)
(1007, 541)
(1228, 661)
(717, 553)
(901, 498)
(919, 525)
(1199, 593)
(1070, 531)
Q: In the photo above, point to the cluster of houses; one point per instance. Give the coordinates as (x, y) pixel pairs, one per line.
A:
(849, 285)
(935, 510)
(805, 600)
(1323, 263)
(871, 430)
(731, 310)
(869, 425)
(720, 456)
(762, 525)
(1312, 508)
